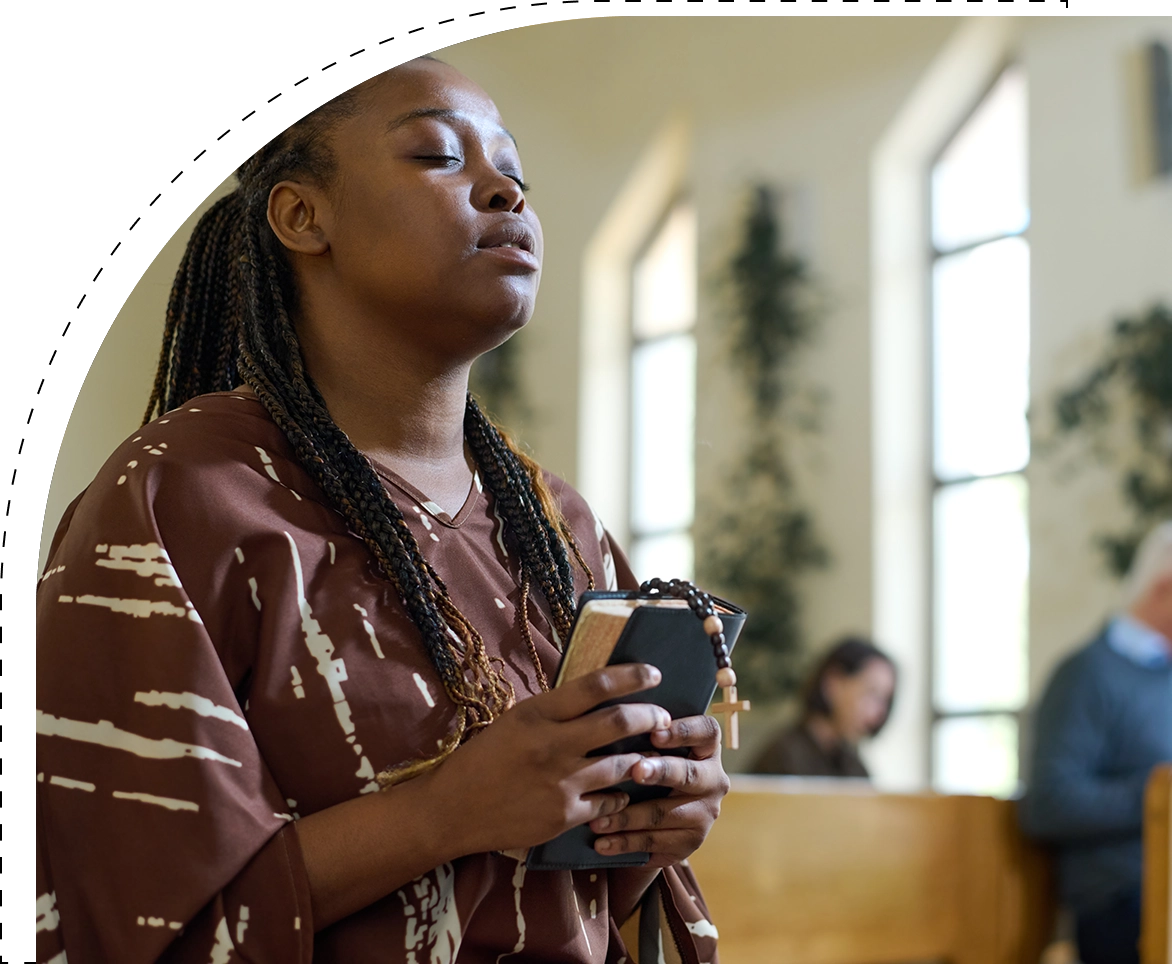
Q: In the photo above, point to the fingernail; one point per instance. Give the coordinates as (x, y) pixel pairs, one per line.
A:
(655, 674)
(604, 845)
(602, 823)
(661, 735)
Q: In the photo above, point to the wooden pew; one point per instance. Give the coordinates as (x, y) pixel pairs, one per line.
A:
(1155, 937)
(816, 872)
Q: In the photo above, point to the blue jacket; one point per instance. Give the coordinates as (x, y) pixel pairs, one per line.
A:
(1104, 721)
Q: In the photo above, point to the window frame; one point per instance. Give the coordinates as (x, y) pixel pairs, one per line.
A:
(937, 715)
(635, 534)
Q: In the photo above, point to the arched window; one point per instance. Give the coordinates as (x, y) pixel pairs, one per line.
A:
(663, 398)
(980, 335)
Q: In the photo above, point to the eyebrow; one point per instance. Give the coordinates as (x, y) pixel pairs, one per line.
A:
(443, 113)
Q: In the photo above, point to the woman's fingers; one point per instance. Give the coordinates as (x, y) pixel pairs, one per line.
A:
(600, 727)
(604, 771)
(595, 801)
(686, 775)
(678, 843)
(700, 733)
(601, 806)
(586, 692)
(585, 728)
(668, 813)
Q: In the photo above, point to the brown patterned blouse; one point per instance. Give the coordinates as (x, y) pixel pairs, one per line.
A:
(217, 657)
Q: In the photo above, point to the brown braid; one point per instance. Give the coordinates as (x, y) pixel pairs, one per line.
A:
(230, 318)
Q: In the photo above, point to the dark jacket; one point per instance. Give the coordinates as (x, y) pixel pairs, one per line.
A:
(795, 752)
(1103, 723)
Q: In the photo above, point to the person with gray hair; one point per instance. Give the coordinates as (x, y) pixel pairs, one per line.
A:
(1105, 720)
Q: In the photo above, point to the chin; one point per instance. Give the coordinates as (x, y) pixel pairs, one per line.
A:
(505, 319)
(484, 334)
(485, 317)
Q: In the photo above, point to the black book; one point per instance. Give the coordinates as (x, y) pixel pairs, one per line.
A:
(666, 634)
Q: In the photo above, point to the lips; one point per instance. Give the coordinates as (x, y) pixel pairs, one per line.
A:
(508, 235)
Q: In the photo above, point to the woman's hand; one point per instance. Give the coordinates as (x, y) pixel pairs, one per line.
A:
(519, 782)
(527, 777)
(672, 827)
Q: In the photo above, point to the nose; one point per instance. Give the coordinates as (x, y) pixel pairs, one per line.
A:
(498, 192)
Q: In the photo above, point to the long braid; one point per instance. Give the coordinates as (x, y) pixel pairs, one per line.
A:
(340, 471)
(204, 290)
(229, 318)
(513, 488)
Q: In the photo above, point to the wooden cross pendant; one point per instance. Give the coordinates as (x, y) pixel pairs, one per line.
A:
(729, 708)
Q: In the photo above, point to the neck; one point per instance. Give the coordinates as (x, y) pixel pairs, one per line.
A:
(1152, 615)
(398, 404)
(824, 732)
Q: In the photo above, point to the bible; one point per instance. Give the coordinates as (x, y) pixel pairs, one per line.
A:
(630, 627)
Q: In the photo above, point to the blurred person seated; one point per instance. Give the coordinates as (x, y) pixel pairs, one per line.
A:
(846, 698)
(1105, 720)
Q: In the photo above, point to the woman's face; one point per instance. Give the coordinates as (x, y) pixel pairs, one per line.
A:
(426, 220)
(859, 703)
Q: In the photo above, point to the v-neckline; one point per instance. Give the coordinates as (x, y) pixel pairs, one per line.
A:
(424, 504)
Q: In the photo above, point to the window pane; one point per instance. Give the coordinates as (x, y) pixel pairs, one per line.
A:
(976, 754)
(981, 340)
(982, 565)
(665, 279)
(979, 183)
(665, 557)
(663, 403)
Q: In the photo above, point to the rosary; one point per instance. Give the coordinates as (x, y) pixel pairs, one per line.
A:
(701, 604)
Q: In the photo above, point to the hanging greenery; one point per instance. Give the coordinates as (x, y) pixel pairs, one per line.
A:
(1132, 382)
(495, 380)
(765, 540)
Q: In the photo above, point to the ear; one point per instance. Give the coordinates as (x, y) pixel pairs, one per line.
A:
(295, 215)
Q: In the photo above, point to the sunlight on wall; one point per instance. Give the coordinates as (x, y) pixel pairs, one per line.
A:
(604, 404)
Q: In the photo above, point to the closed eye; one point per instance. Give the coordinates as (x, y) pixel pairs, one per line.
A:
(448, 159)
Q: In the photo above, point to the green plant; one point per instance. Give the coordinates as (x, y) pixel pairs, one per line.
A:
(1131, 382)
(495, 380)
(760, 544)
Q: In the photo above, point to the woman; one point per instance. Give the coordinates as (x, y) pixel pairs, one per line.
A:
(296, 638)
(846, 699)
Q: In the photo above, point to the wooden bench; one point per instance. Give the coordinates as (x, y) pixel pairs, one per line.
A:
(1155, 936)
(821, 872)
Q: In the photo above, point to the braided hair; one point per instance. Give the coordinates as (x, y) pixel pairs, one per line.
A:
(230, 318)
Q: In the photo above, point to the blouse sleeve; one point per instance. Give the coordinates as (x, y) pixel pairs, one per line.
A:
(161, 835)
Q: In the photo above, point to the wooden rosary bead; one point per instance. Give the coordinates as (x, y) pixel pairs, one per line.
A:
(725, 676)
(703, 606)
